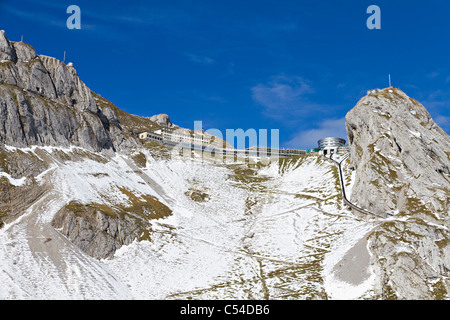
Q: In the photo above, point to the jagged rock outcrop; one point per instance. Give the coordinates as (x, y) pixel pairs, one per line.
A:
(397, 147)
(402, 162)
(15, 200)
(162, 120)
(7, 53)
(70, 90)
(100, 230)
(43, 102)
(94, 231)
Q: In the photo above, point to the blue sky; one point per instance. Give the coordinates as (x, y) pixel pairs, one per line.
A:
(297, 66)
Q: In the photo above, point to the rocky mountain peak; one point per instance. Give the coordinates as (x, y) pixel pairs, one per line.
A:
(162, 119)
(24, 52)
(44, 102)
(7, 52)
(399, 153)
(402, 163)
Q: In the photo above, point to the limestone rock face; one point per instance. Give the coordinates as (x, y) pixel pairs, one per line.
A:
(28, 119)
(7, 52)
(162, 119)
(100, 230)
(43, 102)
(97, 233)
(397, 147)
(70, 89)
(16, 200)
(24, 52)
(402, 161)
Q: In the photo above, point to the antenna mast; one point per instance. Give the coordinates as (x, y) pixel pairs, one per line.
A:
(390, 81)
(64, 57)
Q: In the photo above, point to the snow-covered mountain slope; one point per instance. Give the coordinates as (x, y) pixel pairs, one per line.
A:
(237, 231)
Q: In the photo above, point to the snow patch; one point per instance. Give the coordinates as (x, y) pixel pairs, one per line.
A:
(415, 134)
(15, 182)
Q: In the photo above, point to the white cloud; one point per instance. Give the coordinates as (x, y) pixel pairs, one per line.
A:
(284, 97)
(443, 122)
(327, 128)
(201, 59)
(433, 75)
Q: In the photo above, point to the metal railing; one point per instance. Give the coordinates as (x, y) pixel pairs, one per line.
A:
(272, 153)
(344, 196)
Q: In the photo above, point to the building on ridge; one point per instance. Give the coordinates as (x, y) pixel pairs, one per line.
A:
(331, 145)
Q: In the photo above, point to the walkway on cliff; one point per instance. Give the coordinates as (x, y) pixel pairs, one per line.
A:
(344, 196)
